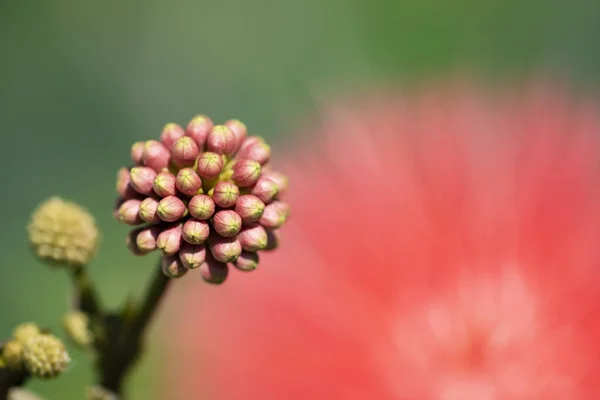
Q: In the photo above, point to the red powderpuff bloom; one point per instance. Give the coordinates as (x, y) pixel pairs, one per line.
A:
(445, 245)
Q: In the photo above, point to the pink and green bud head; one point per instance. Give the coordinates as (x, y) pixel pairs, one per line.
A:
(192, 256)
(283, 207)
(225, 194)
(198, 129)
(146, 239)
(124, 187)
(265, 189)
(250, 208)
(224, 249)
(184, 152)
(195, 231)
(169, 240)
(253, 238)
(209, 165)
(245, 173)
(272, 240)
(164, 184)
(201, 207)
(170, 133)
(118, 203)
(227, 223)
(142, 179)
(255, 148)
(171, 209)
(188, 182)
(137, 152)
(131, 242)
(173, 267)
(247, 261)
(221, 140)
(273, 217)
(148, 211)
(213, 271)
(129, 212)
(156, 156)
(239, 129)
(280, 180)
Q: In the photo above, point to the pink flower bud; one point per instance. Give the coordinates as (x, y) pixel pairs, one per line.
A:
(184, 152)
(156, 156)
(124, 187)
(227, 223)
(188, 182)
(221, 140)
(195, 231)
(272, 240)
(173, 267)
(209, 165)
(169, 240)
(273, 217)
(283, 207)
(146, 239)
(131, 240)
(224, 249)
(170, 133)
(137, 152)
(253, 238)
(280, 180)
(213, 271)
(142, 179)
(250, 208)
(247, 261)
(245, 172)
(148, 211)
(129, 212)
(239, 131)
(255, 148)
(164, 184)
(171, 209)
(198, 129)
(201, 207)
(265, 189)
(225, 194)
(118, 203)
(192, 256)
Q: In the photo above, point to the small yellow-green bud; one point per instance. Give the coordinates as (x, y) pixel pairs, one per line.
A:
(63, 232)
(25, 331)
(12, 355)
(17, 393)
(76, 325)
(100, 393)
(45, 356)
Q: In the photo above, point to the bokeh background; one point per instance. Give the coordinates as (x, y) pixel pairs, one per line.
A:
(82, 80)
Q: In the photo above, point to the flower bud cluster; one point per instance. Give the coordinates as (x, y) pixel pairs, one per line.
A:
(205, 196)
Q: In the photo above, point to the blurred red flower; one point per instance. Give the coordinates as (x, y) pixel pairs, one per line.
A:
(444, 244)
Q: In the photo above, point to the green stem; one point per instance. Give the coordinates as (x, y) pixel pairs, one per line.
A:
(10, 379)
(87, 299)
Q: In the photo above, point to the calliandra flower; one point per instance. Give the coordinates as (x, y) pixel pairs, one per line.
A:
(63, 233)
(190, 193)
(25, 331)
(444, 246)
(45, 356)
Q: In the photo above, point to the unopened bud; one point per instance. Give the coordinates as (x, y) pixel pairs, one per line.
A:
(164, 184)
(156, 155)
(201, 207)
(272, 240)
(129, 212)
(184, 152)
(225, 249)
(25, 331)
(253, 238)
(45, 356)
(245, 172)
(239, 131)
(131, 242)
(213, 271)
(209, 165)
(170, 133)
(173, 267)
(227, 223)
(146, 238)
(148, 211)
(198, 129)
(171, 209)
(225, 194)
(124, 187)
(255, 148)
(169, 240)
(195, 231)
(250, 208)
(142, 179)
(192, 256)
(265, 189)
(280, 180)
(247, 261)
(188, 182)
(221, 140)
(12, 355)
(76, 325)
(137, 152)
(273, 217)
(283, 207)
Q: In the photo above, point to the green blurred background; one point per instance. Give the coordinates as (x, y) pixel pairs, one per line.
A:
(81, 80)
